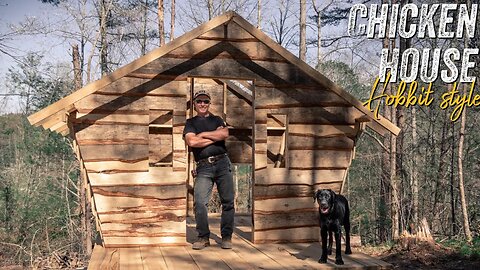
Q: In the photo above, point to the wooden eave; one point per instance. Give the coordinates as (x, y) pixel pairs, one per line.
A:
(52, 115)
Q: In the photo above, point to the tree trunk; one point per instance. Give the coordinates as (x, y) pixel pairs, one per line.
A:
(143, 43)
(466, 225)
(161, 18)
(77, 71)
(461, 186)
(259, 14)
(303, 30)
(172, 22)
(210, 9)
(414, 172)
(452, 184)
(103, 37)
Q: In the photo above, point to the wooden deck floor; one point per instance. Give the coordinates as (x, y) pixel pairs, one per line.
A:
(244, 254)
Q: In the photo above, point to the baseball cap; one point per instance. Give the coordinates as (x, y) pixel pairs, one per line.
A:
(201, 92)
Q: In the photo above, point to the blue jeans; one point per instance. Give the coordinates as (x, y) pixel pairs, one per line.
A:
(220, 173)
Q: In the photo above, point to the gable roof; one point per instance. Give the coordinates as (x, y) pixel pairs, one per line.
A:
(54, 116)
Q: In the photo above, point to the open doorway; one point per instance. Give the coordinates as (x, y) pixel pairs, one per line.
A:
(232, 101)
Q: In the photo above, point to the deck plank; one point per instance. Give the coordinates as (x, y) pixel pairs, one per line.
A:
(178, 258)
(311, 253)
(372, 262)
(152, 258)
(229, 257)
(111, 261)
(208, 259)
(97, 257)
(282, 257)
(130, 259)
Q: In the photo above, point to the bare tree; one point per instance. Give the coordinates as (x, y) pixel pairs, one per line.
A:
(303, 30)
(172, 21)
(161, 20)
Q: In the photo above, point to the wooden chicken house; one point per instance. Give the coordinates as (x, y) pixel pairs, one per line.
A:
(292, 124)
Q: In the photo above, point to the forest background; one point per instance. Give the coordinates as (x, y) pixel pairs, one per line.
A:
(427, 172)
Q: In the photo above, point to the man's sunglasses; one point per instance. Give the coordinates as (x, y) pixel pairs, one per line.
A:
(206, 101)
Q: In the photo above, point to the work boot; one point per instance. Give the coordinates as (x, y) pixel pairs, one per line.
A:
(201, 243)
(226, 242)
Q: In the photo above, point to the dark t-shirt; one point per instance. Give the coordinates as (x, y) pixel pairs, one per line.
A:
(199, 124)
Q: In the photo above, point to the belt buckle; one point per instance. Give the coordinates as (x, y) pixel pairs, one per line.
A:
(211, 159)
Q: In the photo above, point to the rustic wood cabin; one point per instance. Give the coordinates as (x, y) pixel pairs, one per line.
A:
(294, 126)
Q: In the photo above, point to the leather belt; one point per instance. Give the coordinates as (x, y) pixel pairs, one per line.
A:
(211, 159)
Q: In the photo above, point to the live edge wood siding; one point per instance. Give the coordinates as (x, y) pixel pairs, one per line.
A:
(128, 135)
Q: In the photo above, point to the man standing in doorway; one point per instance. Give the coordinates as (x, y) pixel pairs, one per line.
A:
(206, 134)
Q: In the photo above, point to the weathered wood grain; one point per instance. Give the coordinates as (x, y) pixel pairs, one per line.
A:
(319, 143)
(130, 86)
(264, 192)
(285, 220)
(116, 166)
(110, 134)
(155, 176)
(285, 205)
(137, 241)
(310, 130)
(110, 119)
(294, 235)
(282, 97)
(127, 152)
(319, 158)
(272, 176)
(161, 192)
(109, 204)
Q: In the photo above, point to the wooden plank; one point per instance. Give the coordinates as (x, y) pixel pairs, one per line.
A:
(161, 192)
(232, 31)
(318, 115)
(321, 130)
(130, 259)
(178, 258)
(137, 241)
(152, 258)
(368, 261)
(97, 257)
(155, 176)
(285, 205)
(107, 204)
(110, 103)
(207, 260)
(110, 134)
(276, 220)
(319, 158)
(131, 86)
(164, 103)
(110, 119)
(126, 152)
(272, 98)
(319, 143)
(142, 227)
(314, 74)
(116, 167)
(272, 176)
(252, 50)
(293, 235)
(282, 257)
(121, 72)
(165, 215)
(264, 192)
(310, 254)
(111, 260)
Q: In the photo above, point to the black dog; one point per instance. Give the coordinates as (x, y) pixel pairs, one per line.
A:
(334, 212)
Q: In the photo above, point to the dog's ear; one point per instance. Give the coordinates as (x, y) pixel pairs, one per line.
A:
(315, 195)
(332, 195)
